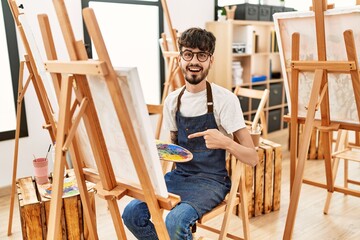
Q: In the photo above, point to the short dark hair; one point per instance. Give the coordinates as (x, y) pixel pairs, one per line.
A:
(197, 38)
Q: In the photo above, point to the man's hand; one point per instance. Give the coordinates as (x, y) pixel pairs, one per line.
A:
(214, 139)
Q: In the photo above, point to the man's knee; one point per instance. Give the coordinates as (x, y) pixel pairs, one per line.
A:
(180, 220)
(136, 212)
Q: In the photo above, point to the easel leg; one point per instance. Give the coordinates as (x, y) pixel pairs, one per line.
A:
(114, 210)
(60, 158)
(294, 126)
(16, 149)
(85, 198)
(295, 193)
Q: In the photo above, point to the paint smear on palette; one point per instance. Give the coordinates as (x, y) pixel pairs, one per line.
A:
(173, 152)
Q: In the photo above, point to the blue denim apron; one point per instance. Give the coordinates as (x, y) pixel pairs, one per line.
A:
(202, 182)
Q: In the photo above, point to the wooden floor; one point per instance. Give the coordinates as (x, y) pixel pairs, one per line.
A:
(342, 222)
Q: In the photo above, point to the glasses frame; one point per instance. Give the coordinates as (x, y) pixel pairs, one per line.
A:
(197, 55)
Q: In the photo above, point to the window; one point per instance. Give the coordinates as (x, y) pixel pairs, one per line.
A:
(9, 62)
(131, 31)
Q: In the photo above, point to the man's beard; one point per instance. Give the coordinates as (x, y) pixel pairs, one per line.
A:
(195, 79)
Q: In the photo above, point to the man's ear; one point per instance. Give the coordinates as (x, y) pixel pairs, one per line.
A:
(178, 59)
(211, 60)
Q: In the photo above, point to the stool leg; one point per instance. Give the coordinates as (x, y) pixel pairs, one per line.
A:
(341, 140)
(244, 207)
(346, 173)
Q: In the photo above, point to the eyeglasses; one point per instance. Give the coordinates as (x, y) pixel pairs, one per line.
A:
(188, 55)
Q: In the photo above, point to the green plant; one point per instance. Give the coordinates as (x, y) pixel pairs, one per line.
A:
(223, 11)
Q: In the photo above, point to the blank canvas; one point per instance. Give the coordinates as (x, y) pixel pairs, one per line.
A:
(120, 157)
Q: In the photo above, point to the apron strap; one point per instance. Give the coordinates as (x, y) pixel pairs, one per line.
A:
(179, 97)
(210, 103)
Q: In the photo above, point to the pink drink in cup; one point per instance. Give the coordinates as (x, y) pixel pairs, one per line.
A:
(41, 170)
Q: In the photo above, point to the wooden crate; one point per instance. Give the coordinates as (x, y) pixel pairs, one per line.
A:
(316, 147)
(316, 150)
(34, 212)
(263, 182)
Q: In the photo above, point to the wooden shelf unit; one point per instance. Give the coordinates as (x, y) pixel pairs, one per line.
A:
(261, 57)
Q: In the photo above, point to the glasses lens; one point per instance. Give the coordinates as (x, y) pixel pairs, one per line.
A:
(187, 55)
(202, 56)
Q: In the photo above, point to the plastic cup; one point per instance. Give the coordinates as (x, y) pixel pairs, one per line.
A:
(256, 138)
(41, 170)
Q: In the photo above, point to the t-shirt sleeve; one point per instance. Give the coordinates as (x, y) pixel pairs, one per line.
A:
(169, 121)
(231, 115)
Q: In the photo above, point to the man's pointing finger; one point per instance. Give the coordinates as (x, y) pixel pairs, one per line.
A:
(197, 134)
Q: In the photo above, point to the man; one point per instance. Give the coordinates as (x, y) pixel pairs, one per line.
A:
(203, 118)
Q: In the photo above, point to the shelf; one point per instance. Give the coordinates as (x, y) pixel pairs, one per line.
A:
(260, 57)
(240, 55)
(250, 23)
(277, 106)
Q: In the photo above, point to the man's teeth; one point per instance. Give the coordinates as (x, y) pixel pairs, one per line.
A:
(194, 69)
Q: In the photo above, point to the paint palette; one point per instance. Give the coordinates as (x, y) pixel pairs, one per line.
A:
(172, 152)
(70, 188)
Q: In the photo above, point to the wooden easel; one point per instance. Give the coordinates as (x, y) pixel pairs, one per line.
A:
(319, 97)
(74, 79)
(170, 56)
(44, 102)
(174, 77)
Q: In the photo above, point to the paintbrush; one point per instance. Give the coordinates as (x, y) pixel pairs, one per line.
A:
(48, 151)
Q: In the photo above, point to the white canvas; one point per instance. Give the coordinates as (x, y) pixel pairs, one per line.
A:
(341, 95)
(35, 51)
(120, 157)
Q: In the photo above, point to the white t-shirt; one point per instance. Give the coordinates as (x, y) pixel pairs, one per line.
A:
(227, 110)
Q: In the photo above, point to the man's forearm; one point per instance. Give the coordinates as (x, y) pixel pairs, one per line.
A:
(174, 137)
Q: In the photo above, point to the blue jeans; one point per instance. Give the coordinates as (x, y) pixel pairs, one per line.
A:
(136, 217)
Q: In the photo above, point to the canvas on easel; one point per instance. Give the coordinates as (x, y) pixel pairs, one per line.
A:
(31, 58)
(114, 138)
(342, 100)
(301, 56)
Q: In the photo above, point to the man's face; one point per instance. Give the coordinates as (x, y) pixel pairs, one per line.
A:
(195, 64)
